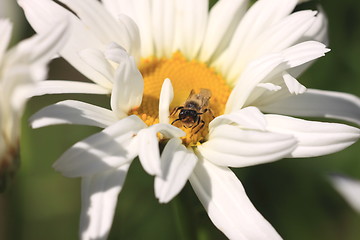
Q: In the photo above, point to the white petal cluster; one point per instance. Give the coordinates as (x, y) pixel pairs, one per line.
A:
(104, 157)
(260, 51)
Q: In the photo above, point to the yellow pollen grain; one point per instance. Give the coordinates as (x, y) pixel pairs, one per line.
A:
(184, 75)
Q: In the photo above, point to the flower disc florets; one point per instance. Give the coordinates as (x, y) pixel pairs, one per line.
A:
(185, 76)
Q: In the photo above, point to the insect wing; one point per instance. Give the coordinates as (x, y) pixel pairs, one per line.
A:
(204, 95)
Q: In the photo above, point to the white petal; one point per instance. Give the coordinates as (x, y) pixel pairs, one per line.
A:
(148, 143)
(231, 146)
(191, 20)
(297, 59)
(17, 87)
(318, 103)
(264, 92)
(113, 7)
(319, 30)
(280, 36)
(269, 86)
(269, 69)
(219, 32)
(43, 14)
(258, 71)
(132, 31)
(26, 63)
(110, 148)
(257, 19)
(304, 52)
(349, 188)
(139, 11)
(166, 97)
(164, 27)
(293, 85)
(73, 112)
(38, 11)
(18, 82)
(41, 48)
(61, 87)
(284, 34)
(99, 195)
(227, 204)
(5, 30)
(314, 138)
(128, 86)
(263, 14)
(101, 23)
(96, 59)
(177, 164)
(246, 118)
(115, 53)
(143, 19)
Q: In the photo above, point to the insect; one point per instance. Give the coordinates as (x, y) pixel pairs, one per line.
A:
(192, 110)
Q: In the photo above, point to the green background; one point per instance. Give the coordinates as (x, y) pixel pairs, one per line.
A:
(293, 194)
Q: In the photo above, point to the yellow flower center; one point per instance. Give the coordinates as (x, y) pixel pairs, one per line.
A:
(185, 76)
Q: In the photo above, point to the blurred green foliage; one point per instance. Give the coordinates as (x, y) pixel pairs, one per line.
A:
(293, 194)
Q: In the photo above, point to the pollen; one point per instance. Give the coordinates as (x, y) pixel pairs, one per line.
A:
(185, 76)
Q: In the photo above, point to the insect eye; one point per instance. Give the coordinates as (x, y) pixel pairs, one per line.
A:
(182, 113)
(194, 114)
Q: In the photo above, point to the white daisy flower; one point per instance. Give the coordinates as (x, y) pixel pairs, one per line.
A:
(244, 57)
(21, 68)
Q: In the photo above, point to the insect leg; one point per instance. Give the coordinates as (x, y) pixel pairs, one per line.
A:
(210, 111)
(196, 124)
(175, 121)
(201, 126)
(175, 110)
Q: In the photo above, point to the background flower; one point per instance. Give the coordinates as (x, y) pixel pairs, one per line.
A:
(260, 179)
(21, 69)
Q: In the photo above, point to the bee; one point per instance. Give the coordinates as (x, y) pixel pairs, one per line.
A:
(191, 112)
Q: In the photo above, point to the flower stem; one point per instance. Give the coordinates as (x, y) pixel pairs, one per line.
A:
(3, 216)
(181, 220)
